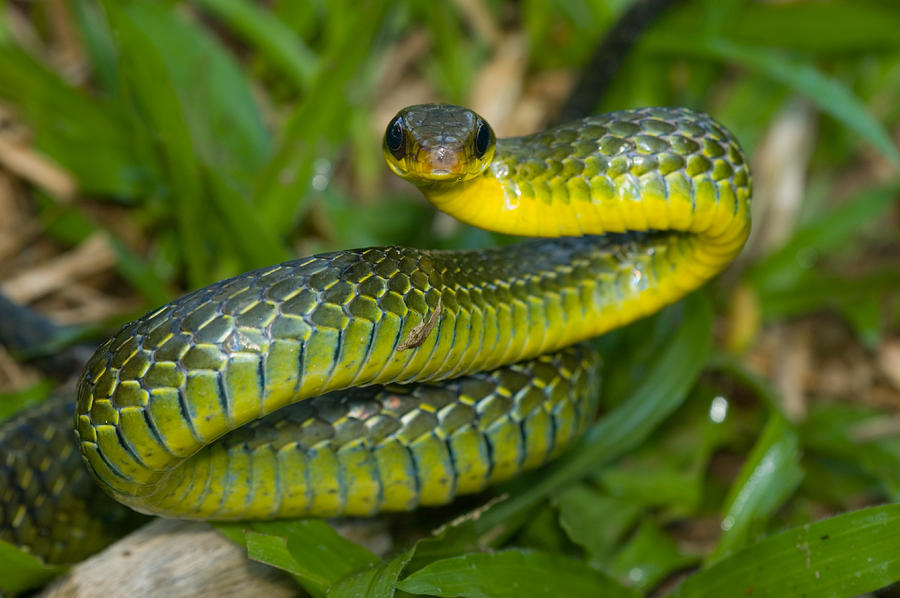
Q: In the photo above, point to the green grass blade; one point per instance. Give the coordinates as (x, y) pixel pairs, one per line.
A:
(145, 74)
(828, 232)
(225, 123)
(833, 27)
(512, 573)
(833, 431)
(4, 26)
(275, 40)
(453, 62)
(319, 121)
(15, 401)
(816, 290)
(840, 557)
(257, 246)
(770, 474)
(20, 570)
(98, 42)
(137, 272)
(830, 95)
(66, 121)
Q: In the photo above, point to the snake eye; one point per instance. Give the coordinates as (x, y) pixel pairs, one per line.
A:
(394, 137)
(483, 138)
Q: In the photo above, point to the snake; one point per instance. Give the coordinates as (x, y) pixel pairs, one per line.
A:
(387, 378)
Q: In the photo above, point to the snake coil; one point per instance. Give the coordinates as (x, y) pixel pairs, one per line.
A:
(384, 378)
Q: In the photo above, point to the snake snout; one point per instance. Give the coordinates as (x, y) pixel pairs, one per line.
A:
(441, 162)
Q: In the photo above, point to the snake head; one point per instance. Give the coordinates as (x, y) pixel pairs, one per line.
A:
(430, 143)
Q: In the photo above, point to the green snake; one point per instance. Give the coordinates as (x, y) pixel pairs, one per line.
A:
(381, 379)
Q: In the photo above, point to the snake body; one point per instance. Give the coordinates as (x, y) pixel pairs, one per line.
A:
(233, 402)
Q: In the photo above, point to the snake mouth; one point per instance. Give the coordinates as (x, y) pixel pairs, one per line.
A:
(440, 163)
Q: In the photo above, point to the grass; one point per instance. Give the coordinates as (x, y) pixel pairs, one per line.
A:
(232, 134)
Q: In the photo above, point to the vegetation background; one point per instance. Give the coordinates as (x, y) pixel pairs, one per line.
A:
(750, 438)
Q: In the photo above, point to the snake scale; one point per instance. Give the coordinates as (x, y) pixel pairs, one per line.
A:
(381, 379)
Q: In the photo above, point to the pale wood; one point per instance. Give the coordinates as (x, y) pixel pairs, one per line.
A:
(174, 559)
(183, 559)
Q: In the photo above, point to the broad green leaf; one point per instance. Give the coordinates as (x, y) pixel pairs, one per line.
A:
(828, 94)
(595, 521)
(377, 581)
(309, 549)
(272, 550)
(770, 474)
(653, 484)
(648, 558)
(468, 532)
(512, 573)
(667, 473)
(844, 556)
(668, 377)
(20, 570)
(543, 532)
(315, 543)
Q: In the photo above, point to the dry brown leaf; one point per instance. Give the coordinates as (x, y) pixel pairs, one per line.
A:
(792, 370)
(92, 256)
(479, 17)
(37, 168)
(889, 361)
(498, 85)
